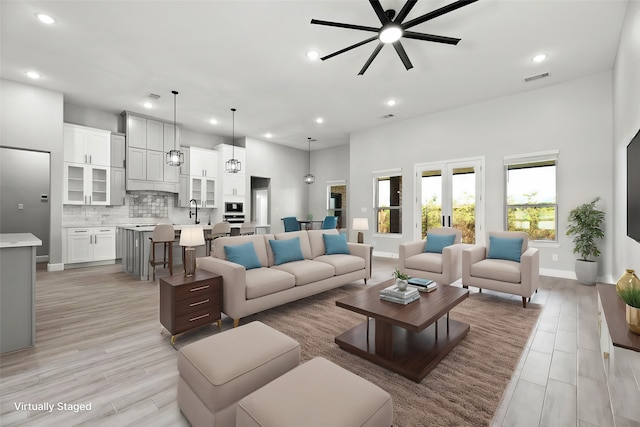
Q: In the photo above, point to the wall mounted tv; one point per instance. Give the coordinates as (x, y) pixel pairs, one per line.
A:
(633, 188)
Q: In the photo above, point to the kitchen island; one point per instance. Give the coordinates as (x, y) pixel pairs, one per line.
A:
(136, 248)
(17, 290)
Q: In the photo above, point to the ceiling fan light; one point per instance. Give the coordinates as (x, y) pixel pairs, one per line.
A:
(390, 33)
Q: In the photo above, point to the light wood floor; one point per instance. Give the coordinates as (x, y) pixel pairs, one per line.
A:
(99, 341)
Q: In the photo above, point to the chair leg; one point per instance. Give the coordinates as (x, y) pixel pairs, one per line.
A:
(465, 286)
(524, 302)
(236, 322)
(171, 258)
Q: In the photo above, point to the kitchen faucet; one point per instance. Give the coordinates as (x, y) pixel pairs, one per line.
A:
(196, 202)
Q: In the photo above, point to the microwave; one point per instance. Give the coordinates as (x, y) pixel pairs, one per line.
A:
(234, 207)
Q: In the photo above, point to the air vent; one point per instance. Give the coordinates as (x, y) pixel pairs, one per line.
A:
(153, 96)
(536, 77)
(386, 116)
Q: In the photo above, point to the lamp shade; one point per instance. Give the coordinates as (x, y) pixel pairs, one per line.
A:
(360, 224)
(192, 236)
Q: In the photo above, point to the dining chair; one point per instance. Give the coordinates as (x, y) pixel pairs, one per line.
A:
(329, 222)
(291, 223)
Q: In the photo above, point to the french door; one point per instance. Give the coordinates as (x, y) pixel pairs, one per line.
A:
(449, 194)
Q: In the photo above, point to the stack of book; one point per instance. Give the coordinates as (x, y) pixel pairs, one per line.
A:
(423, 285)
(393, 294)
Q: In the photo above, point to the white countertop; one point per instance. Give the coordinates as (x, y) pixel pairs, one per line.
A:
(175, 227)
(18, 240)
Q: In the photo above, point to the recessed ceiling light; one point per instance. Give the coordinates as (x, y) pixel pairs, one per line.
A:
(313, 55)
(319, 120)
(539, 58)
(148, 105)
(45, 18)
(213, 121)
(33, 75)
(391, 102)
(268, 135)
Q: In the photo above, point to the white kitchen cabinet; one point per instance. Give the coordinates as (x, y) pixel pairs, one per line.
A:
(155, 165)
(86, 145)
(86, 184)
(90, 244)
(183, 192)
(233, 184)
(136, 131)
(136, 163)
(203, 190)
(155, 135)
(203, 162)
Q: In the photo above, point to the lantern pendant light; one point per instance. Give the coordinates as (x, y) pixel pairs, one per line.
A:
(309, 178)
(175, 157)
(233, 165)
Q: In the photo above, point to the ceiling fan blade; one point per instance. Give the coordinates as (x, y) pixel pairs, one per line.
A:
(371, 58)
(430, 37)
(438, 12)
(405, 11)
(377, 7)
(349, 48)
(341, 25)
(403, 55)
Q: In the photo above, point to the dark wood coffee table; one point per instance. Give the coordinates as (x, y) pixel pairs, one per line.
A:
(406, 339)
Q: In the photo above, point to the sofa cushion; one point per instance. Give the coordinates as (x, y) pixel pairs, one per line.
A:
(259, 244)
(497, 269)
(286, 250)
(437, 242)
(265, 281)
(505, 248)
(336, 244)
(316, 241)
(243, 254)
(304, 241)
(343, 264)
(307, 271)
(426, 261)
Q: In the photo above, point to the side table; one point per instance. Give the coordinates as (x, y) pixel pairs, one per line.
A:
(190, 302)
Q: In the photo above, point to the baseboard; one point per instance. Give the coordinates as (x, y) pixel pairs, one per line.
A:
(90, 264)
(42, 258)
(55, 267)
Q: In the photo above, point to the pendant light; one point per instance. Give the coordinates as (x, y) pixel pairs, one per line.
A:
(233, 165)
(309, 178)
(175, 157)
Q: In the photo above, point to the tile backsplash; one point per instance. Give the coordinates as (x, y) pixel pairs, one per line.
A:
(148, 205)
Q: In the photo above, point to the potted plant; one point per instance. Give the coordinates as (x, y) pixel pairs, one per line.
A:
(631, 296)
(585, 224)
(401, 279)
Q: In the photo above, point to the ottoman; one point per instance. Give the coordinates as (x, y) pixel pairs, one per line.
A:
(317, 393)
(216, 372)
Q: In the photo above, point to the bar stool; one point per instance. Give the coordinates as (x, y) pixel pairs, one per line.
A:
(162, 234)
(248, 228)
(220, 229)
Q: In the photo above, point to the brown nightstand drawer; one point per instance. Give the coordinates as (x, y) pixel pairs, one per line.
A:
(189, 302)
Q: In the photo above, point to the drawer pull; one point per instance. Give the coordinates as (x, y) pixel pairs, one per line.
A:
(199, 317)
(199, 289)
(198, 303)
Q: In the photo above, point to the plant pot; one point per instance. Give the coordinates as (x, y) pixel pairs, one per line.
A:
(633, 319)
(628, 279)
(401, 284)
(586, 272)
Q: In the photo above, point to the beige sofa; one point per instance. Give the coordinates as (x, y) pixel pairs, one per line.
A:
(250, 291)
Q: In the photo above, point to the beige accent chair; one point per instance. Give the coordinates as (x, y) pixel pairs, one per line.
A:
(518, 278)
(444, 268)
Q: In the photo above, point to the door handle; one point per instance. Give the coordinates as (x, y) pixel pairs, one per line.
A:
(443, 220)
(449, 220)
(95, 239)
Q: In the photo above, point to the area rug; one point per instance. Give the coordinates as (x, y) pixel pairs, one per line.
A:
(463, 390)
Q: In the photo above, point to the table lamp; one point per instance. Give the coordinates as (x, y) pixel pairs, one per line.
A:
(360, 224)
(190, 237)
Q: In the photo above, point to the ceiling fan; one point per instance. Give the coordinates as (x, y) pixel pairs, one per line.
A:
(392, 30)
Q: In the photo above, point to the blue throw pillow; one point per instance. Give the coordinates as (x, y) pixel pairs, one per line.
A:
(437, 242)
(336, 244)
(509, 248)
(244, 254)
(286, 250)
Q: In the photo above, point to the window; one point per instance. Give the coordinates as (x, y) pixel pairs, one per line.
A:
(388, 203)
(531, 195)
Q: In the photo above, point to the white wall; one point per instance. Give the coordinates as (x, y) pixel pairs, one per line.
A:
(31, 118)
(327, 165)
(574, 118)
(285, 166)
(626, 114)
